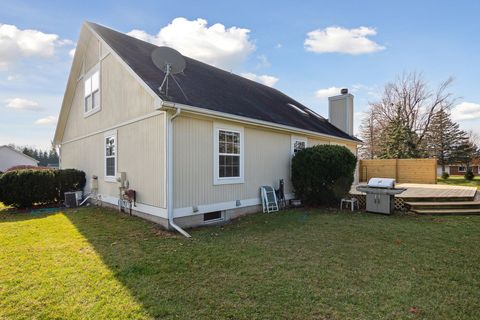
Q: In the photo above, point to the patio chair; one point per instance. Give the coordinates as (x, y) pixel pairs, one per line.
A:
(269, 199)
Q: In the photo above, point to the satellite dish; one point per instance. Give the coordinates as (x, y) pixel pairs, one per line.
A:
(171, 62)
(168, 60)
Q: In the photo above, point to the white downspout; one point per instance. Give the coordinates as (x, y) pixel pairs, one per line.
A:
(170, 208)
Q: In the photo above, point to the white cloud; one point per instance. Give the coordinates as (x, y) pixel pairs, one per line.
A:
(47, 121)
(71, 53)
(263, 61)
(466, 111)
(16, 43)
(22, 104)
(264, 79)
(327, 92)
(13, 77)
(217, 45)
(338, 39)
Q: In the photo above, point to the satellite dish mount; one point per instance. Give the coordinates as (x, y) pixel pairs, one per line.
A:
(171, 62)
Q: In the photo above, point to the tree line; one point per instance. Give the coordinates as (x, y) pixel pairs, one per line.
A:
(44, 157)
(412, 120)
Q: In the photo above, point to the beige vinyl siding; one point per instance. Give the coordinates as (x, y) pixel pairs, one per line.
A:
(314, 142)
(267, 159)
(92, 53)
(140, 145)
(140, 153)
(122, 99)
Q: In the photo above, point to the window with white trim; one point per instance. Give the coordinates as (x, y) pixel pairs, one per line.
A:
(110, 156)
(297, 145)
(462, 169)
(228, 155)
(92, 91)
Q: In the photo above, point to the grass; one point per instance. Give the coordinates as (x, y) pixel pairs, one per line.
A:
(461, 181)
(94, 263)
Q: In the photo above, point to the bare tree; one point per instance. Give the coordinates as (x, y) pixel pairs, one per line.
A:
(411, 95)
(370, 134)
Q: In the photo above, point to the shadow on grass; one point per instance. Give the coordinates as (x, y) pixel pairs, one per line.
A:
(295, 264)
(223, 272)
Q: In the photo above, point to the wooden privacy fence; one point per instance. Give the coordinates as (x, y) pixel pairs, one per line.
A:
(402, 170)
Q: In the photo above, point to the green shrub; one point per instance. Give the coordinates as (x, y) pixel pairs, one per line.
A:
(469, 175)
(69, 180)
(323, 174)
(445, 175)
(27, 187)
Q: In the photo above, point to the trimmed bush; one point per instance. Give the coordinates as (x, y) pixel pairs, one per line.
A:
(445, 175)
(28, 187)
(23, 167)
(323, 174)
(469, 175)
(69, 180)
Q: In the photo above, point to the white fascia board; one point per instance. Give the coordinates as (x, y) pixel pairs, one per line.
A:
(246, 120)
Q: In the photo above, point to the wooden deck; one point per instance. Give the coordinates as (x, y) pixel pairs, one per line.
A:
(416, 190)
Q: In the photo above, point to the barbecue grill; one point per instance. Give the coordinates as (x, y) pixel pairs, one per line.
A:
(380, 195)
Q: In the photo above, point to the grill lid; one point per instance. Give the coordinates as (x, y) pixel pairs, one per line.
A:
(381, 183)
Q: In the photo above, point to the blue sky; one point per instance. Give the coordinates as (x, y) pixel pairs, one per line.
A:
(438, 38)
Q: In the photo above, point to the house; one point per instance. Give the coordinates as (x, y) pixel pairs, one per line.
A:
(459, 169)
(197, 155)
(9, 157)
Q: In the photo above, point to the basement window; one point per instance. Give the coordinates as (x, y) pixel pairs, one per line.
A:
(212, 216)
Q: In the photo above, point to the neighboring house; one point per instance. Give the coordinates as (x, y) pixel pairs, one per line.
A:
(9, 157)
(193, 158)
(459, 169)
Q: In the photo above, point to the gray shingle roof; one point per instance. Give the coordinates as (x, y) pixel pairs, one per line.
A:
(214, 89)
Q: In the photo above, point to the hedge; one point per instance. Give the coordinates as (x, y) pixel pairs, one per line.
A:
(28, 187)
(323, 174)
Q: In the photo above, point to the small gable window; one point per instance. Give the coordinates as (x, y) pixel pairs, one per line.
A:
(92, 92)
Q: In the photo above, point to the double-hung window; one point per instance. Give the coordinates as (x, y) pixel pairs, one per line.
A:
(92, 91)
(110, 140)
(298, 144)
(228, 153)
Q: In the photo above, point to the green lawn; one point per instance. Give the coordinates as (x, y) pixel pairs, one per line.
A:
(461, 181)
(304, 264)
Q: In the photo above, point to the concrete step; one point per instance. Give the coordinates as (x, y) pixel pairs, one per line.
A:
(448, 211)
(444, 205)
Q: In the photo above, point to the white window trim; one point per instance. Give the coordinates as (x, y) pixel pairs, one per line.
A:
(464, 169)
(216, 168)
(109, 134)
(295, 139)
(87, 76)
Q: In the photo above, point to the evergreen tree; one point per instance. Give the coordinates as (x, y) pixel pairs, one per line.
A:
(465, 151)
(398, 141)
(443, 137)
